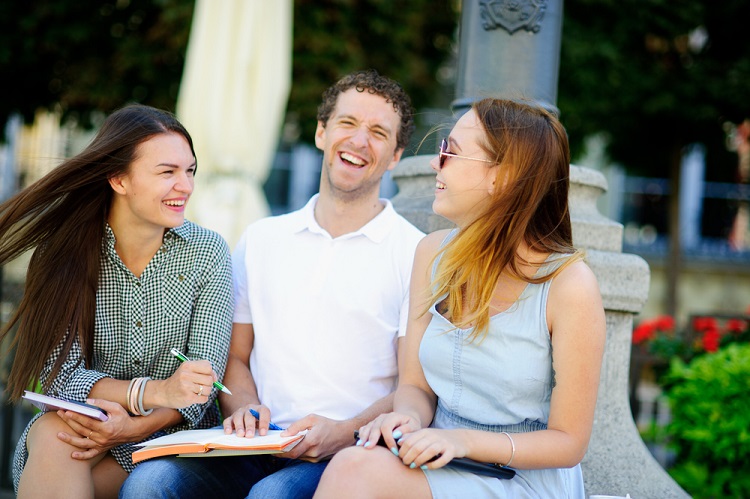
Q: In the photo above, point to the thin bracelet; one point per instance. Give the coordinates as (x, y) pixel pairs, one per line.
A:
(132, 406)
(512, 449)
(141, 410)
(127, 396)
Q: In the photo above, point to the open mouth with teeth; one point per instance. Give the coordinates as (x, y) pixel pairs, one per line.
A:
(351, 159)
(175, 202)
(439, 185)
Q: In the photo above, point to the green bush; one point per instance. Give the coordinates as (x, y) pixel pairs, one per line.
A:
(710, 428)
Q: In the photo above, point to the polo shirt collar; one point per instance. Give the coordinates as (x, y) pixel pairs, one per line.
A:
(376, 229)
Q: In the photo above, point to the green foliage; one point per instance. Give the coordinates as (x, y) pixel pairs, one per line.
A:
(407, 40)
(101, 54)
(94, 55)
(637, 71)
(710, 428)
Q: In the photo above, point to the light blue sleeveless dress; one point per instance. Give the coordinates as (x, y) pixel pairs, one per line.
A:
(502, 383)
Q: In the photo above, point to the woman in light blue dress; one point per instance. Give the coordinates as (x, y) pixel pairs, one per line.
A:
(506, 335)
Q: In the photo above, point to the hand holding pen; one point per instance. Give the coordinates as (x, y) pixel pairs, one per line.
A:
(218, 385)
(245, 419)
(271, 426)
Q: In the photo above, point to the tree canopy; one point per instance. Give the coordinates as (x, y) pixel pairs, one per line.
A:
(90, 56)
(98, 55)
(654, 76)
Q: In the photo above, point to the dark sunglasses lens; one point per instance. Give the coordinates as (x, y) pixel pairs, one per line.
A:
(441, 154)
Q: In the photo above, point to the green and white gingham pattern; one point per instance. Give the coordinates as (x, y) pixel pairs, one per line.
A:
(182, 300)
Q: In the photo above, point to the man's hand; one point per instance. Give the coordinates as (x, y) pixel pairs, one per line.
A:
(244, 423)
(324, 438)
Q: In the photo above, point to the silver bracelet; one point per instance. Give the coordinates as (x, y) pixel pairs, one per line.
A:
(141, 410)
(512, 449)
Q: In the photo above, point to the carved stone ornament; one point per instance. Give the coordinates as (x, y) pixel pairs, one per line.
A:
(512, 15)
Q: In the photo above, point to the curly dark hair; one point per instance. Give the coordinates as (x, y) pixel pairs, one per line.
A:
(377, 84)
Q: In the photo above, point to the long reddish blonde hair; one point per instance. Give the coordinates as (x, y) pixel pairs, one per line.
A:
(530, 148)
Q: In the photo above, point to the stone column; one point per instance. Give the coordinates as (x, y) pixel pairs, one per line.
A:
(617, 461)
(508, 49)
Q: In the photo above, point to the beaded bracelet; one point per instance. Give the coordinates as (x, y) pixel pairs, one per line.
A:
(512, 448)
(141, 410)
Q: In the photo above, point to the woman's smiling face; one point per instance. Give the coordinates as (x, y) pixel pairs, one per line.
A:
(463, 184)
(158, 183)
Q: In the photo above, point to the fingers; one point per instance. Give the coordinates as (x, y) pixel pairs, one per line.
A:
(264, 420)
(79, 423)
(388, 427)
(88, 448)
(300, 425)
(199, 372)
(244, 423)
(424, 449)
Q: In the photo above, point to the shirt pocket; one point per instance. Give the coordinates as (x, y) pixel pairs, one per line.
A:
(178, 295)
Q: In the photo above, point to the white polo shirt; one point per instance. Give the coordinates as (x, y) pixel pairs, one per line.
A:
(326, 312)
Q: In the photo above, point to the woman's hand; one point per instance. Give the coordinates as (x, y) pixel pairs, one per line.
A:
(431, 448)
(392, 427)
(95, 437)
(190, 384)
(243, 422)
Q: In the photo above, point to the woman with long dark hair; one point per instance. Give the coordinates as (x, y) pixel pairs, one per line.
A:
(117, 279)
(506, 330)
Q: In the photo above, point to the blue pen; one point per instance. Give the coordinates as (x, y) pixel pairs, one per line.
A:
(271, 426)
(182, 358)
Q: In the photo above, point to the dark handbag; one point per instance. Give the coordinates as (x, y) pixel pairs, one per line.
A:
(466, 464)
(486, 469)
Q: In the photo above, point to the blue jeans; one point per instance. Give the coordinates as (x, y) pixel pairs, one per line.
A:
(262, 476)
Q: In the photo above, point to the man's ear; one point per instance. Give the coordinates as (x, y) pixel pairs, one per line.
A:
(396, 158)
(117, 184)
(320, 135)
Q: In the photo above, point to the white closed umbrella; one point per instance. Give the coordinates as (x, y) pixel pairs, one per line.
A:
(232, 100)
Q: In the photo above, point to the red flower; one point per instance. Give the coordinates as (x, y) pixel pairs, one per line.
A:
(664, 323)
(644, 332)
(736, 326)
(704, 323)
(711, 339)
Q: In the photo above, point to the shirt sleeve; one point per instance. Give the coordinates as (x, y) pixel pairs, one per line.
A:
(211, 326)
(242, 312)
(73, 381)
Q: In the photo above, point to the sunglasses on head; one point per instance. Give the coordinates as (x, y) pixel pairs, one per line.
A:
(443, 155)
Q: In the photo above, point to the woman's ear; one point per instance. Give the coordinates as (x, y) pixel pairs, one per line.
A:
(117, 184)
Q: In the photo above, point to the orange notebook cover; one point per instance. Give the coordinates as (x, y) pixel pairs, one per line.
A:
(212, 442)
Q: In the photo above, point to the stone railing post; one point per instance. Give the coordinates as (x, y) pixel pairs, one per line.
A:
(617, 461)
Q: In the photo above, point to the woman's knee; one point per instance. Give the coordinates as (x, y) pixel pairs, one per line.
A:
(356, 461)
(43, 434)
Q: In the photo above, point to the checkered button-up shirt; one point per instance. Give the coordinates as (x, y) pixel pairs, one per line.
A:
(182, 300)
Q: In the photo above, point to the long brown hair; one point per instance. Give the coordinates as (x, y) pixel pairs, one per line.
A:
(63, 217)
(530, 148)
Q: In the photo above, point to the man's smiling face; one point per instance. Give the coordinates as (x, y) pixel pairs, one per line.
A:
(358, 144)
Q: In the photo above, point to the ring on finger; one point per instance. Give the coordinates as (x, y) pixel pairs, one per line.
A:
(90, 433)
(200, 392)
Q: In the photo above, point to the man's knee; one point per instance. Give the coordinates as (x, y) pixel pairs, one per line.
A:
(159, 478)
(295, 481)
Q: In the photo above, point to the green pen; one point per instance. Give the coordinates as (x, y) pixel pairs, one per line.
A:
(182, 358)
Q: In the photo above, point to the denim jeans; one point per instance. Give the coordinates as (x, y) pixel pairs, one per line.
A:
(262, 476)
